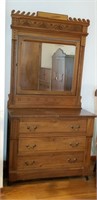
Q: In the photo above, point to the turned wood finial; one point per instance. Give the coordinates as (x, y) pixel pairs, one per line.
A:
(13, 12)
(87, 21)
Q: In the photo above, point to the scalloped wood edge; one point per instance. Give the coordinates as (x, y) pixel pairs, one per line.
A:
(13, 12)
(49, 15)
(79, 20)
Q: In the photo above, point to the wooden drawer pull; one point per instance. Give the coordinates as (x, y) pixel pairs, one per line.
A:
(75, 128)
(70, 160)
(31, 146)
(29, 163)
(33, 128)
(26, 163)
(28, 127)
(74, 144)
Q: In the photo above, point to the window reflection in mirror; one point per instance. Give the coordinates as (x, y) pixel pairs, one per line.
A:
(57, 66)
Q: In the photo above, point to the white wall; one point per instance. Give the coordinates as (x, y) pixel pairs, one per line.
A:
(74, 8)
(2, 71)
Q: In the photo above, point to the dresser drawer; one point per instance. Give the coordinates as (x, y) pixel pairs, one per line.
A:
(29, 146)
(52, 125)
(51, 160)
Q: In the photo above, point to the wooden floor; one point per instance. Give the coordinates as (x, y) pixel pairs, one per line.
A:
(72, 188)
(56, 189)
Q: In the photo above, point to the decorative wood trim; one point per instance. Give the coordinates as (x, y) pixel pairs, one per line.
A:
(38, 14)
(14, 34)
(47, 21)
(22, 13)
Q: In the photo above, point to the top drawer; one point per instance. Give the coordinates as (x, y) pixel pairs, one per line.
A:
(52, 125)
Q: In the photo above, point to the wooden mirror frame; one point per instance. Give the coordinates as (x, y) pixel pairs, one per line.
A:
(53, 27)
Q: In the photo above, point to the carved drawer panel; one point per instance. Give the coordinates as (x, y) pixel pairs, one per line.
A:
(52, 125)
(51, 160)
(29, 146)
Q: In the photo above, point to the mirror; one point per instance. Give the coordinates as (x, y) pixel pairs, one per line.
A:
(47, 60)
(45, 66)
(57, 66)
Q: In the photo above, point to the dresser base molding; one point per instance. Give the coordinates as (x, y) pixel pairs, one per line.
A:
(45, 174)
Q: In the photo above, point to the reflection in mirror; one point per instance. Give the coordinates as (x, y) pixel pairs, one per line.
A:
(57, 66)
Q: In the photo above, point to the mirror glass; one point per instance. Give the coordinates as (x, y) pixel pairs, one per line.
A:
(45, 66)
(56, 67)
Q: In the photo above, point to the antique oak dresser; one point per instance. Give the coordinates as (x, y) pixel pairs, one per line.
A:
(49, 133)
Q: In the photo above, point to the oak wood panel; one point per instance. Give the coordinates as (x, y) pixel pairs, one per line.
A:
(28, 65)
(51, 160)
(38, 100)
(52, 15)
(14, 124)
(52, 125)
(13, 155)
(51, 112)
(50, 144)
(87, 156)
(47, 173)
(90, 126)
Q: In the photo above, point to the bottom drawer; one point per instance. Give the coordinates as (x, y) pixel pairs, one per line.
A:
(47, 173)
(53, 160)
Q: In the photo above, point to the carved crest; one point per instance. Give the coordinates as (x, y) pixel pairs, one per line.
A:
(32, 20)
